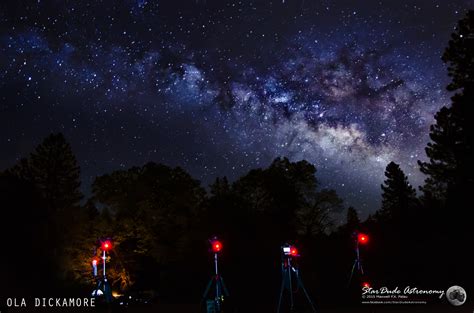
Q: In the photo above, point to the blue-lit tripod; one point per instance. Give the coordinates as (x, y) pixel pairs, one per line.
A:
(103, 286)
(215, 305)
(359, 238)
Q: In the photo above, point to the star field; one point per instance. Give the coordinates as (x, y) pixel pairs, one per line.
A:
(220, 87)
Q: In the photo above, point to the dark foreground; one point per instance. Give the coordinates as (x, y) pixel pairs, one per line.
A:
(468, 307)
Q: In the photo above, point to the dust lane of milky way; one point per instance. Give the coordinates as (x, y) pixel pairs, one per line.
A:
(222, 87)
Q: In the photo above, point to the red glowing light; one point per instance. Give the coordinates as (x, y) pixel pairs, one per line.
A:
(106, 245)
(366, 285)
(293, 251)
(363, 238)
(216, 246)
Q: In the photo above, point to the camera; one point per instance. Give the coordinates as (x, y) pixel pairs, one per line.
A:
(289, 250)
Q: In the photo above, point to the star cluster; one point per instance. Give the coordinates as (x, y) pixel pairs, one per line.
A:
(220, 87)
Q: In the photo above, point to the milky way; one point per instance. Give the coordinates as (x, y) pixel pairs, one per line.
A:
(222, 87)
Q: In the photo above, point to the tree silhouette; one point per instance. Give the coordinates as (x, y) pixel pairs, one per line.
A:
(53, 171)
(223, 215)
(50, 177)
(459, 54)
(315, 218)
(220, 187)
(352, 220)
(273, 195)
(154, 209)
(398, 196)
(450, 169)
(24, 237)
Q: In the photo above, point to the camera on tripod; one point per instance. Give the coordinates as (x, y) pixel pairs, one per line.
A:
(291, 276)
(289, 250)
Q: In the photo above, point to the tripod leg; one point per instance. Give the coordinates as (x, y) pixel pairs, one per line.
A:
(282, 288)
(352, 273)
(223, 286)
(107, 292)
(97, 288)
(300, 283)
(218, 294)
(220, 291)
(206, 292)
(290, 289)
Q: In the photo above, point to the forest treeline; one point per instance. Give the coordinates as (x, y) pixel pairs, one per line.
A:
(160, 217)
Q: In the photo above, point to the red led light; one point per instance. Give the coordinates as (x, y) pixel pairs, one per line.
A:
(293, 251)
(362, 238)
(366, 285)
(216, 246)
(106, 245)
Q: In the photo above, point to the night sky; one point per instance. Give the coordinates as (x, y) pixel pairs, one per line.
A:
(221, 87)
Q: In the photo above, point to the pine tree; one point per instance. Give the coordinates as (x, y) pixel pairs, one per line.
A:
(353, 220)
(459, 54)
(398, 197)
(53, 171)
(450, 170)
(56, 173)
(220, 187)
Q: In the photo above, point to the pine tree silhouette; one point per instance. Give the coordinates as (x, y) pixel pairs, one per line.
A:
(53, 172)
(56, 173)
(398, 197)
(450, 169)
(353, 220)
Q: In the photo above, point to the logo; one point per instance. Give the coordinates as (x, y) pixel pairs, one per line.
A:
(456, 295)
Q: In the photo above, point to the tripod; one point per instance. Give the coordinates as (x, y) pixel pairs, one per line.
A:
(103, 285)
(103, 288)
(287, 268)
(357, 264)
(220, 289)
